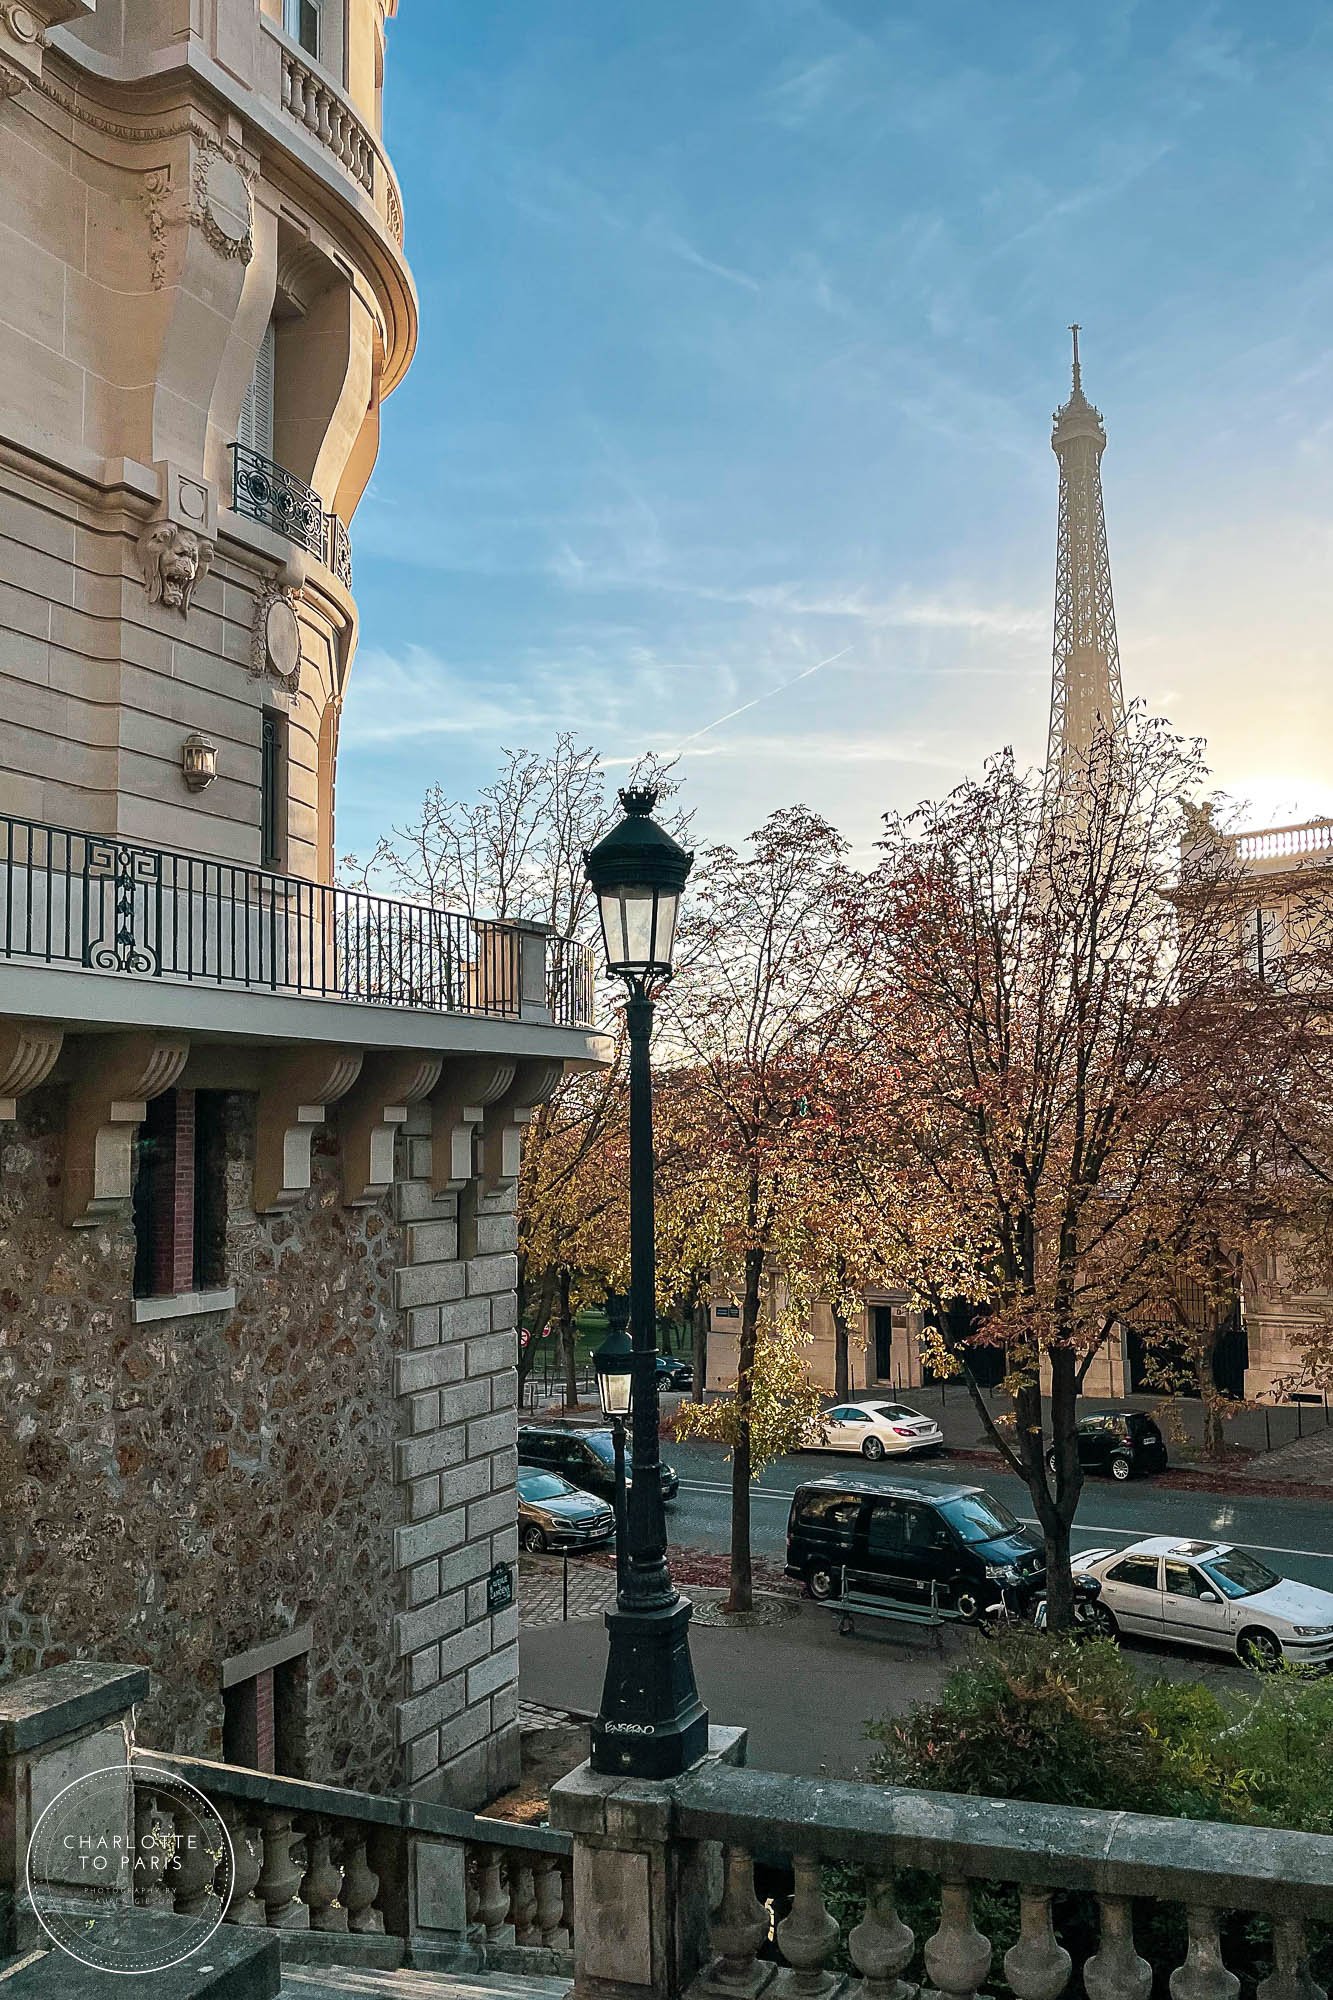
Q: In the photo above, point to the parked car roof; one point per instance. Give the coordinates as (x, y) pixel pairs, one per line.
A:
(893, 1489)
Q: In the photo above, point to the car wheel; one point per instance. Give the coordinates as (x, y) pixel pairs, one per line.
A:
(1095, 1620)
(534, 1541)
(821, 1583)
(968, 1605)
(1050, 1463)
(872, 1448)
(1260, 1650)
(1121, 1468)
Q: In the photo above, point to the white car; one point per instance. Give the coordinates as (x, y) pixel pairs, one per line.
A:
(1211, 1594)
(875, 1430)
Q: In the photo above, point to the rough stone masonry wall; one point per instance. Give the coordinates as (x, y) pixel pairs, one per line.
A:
(176, 1493)
(457, 1463)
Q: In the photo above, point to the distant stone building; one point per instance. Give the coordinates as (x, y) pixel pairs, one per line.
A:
(258, 1134)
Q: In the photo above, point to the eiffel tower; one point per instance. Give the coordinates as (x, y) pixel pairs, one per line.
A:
(1086, 696)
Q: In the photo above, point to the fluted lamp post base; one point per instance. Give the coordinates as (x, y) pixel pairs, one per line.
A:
(652, 1723)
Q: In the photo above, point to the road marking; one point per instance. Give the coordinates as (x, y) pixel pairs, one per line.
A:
(1079, 1528)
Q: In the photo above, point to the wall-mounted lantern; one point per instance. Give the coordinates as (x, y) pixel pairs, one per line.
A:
(199, 761)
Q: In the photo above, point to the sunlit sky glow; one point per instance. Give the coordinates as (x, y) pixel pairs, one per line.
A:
(742, 325)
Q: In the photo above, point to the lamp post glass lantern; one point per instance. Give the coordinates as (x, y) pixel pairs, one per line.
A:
(652, 1723)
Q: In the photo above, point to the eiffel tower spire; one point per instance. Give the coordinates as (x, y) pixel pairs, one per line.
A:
(1086, 695)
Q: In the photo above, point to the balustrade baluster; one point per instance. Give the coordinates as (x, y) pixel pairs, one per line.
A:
(325, 117)
(322, 1882)
(523, 1903)
(310, 102)
(280, 1877)
(1038, 1966)
(493, 1894)
(957, 1957)
(247, 1846)
(549, 1887)
(193, 1866)
(807, 1935)
(1115, 1971)
(476, 1929)
(154, 1832)
(880, 1946)
(1291, 1977)
(1203, 1975)
(736, 1929)
(361, 1886)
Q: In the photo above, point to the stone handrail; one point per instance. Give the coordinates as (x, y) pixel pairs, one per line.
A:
(1311, 837)
(315, 102)
(1207, 1870)
(453, 1889)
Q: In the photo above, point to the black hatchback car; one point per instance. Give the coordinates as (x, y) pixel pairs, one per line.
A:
(585, 1458)
(906, 1539)
(1121, 1442)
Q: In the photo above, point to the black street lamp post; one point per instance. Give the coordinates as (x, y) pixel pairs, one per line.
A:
(614, 1364)
(652, 1723)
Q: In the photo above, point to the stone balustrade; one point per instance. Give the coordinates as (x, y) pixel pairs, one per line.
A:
(694, 1843)
(382, 1881)
(328, 117)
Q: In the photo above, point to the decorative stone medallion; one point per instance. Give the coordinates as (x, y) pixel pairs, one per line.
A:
(222, 205)
(275, 647)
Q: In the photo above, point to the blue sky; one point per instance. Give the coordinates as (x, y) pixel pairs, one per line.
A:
(742, 324)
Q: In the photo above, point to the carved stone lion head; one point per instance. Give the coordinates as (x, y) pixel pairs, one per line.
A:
(174, 559)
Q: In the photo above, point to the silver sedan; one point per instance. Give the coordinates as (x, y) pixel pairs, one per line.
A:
(1215, 1595)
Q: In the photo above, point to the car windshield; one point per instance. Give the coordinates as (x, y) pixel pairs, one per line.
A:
(601, 1447)
(978, 1518)
(1239, 1574)
(542, 1485)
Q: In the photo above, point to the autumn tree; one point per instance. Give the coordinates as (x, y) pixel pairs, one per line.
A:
(766, 976)
(1085, 1073)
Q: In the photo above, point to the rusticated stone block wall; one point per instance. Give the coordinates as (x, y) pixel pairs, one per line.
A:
(180, 1492)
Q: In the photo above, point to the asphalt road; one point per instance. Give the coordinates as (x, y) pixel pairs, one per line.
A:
(1294, 1536)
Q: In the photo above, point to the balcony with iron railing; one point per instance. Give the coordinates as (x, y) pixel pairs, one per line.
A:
(266, 492)
(113, 906)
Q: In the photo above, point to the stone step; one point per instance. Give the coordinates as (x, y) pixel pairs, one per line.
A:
(327, 1982)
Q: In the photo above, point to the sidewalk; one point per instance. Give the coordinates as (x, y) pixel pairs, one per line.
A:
(1291, 1443)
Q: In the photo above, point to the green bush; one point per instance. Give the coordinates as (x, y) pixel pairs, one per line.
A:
(1028, 1715)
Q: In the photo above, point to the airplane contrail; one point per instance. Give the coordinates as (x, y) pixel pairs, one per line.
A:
(732, 713)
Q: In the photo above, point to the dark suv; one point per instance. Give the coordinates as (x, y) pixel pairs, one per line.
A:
(1121, 1442)
(906, 1539)
(585, 1458)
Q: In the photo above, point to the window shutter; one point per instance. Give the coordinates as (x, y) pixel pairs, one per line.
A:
(255, 430)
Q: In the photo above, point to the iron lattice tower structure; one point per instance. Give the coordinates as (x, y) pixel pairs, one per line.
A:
(1086, 695)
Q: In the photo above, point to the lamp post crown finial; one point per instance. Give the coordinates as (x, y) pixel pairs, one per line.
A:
(638, 800)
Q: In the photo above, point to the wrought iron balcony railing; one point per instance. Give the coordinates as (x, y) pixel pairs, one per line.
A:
(338, 549)
(116, 906)
(277, 499)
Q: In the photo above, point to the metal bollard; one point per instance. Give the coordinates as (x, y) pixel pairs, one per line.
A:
(564, 1594)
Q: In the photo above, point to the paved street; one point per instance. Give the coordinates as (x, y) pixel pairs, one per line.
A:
(1294, 1535)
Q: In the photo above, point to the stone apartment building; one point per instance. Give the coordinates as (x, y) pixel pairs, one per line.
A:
(258, 1134)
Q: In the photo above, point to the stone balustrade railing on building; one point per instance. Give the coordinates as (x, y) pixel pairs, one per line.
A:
(1311, 840)
(664, 1883)
(310, 96)
(342, 1876)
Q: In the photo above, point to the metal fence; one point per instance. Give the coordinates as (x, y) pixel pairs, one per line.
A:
(116, 906)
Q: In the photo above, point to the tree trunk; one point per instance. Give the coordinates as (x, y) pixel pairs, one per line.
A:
(742, 1566)
(545, 1294)
(842, 1374)
(1055, 1500)
(1214, 1408)
(567, 1354)
(699, 1361)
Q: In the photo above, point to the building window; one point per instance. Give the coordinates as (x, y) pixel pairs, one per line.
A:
(180, 1196)
(301, 19)
(1263, 944)
(272, 788)
(263, 1719)
(255, 427)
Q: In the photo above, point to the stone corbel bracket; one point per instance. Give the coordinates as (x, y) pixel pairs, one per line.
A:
(28, 1051)
(369, 1117)
(23, 26)
(457, 1108)
(508, 1117)
(296, 1088)
(113, 1079)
